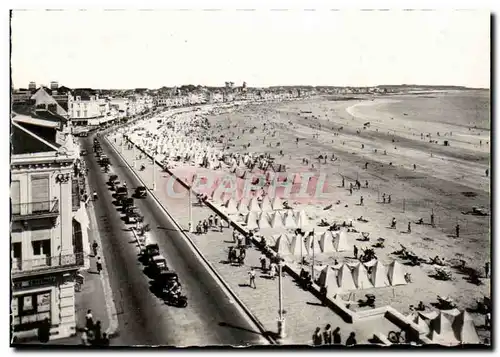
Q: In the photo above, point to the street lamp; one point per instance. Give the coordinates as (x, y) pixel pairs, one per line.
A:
(191, 226)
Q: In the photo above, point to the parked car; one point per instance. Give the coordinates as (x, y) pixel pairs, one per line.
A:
(126, 202)
(132, 217)
(140, 192)
(157, 265)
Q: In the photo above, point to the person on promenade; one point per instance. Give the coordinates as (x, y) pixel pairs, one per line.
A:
(251, 274)
(89, 319)
(486, 270)
(94, 247)
(351, 340)
(98, 265)
(97, 331)
(355, 249)
(84, 337)
(337, 340)
(316, 337)
(263, 261)
(327, 335)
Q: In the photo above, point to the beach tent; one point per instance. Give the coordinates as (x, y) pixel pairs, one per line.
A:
(277, 220)
(378, 275)
(266, 204)
(277, 204)
(345, 279)
(298, 246)
(340, 242)
(396, 274)
(289, 221)
(302, 219)
(441, 330)
(360, 276)
(282, 245)
(464, 328)
(264, 220)
(231, 206)
(243, 206)
(253, 205)
(251, 221)
(297, 179)
(328, 279)
(420, 321)
(326, 242)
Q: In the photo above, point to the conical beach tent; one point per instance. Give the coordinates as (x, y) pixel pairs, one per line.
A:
(396, 274)
(328, 279)
(231, 206)
(243, 206)
(464, 328)
(277, 220)
(277, 204)
(302, 219)
(340, 242)
(441, 329)
(282, 245)
(298, 247)
(253, 205)
(345, 279)
(264, 221)
(326, 242)
(378, 275)
(360, 276)
(251, 221)
(289, 221)
(420, 321)
(266, 204)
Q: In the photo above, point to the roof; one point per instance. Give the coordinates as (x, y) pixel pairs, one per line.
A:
(24, 141)
(30, 111)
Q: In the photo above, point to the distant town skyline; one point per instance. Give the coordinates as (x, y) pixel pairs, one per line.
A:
(152, 49)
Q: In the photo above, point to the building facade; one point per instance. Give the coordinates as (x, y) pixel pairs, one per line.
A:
(47, 244)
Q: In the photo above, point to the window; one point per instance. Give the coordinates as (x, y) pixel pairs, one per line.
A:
(77, 113)
(84, 113)
(41, 247)
(16, 250)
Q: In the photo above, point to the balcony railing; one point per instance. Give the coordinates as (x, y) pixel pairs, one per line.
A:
(35, 209)
(19, 266)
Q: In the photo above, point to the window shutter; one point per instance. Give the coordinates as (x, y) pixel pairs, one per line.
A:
(40, 194)
(15, 196)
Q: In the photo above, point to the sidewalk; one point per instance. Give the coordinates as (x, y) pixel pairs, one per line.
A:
(304, 312)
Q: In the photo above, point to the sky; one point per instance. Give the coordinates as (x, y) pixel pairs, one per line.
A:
(151, 49)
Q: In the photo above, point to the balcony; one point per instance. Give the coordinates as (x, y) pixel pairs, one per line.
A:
(35, 210)
(46, 264)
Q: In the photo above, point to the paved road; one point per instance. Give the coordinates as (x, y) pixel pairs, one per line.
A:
(211, 318)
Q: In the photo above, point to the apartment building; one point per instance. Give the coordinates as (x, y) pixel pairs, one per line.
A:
(86, 108)
(49, 230)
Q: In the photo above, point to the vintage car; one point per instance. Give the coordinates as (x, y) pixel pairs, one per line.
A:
(133, 215)
(126, 202)
(140, 192)
(148, 251)
(157, 265)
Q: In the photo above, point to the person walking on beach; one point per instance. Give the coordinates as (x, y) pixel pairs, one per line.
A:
(487, 270)
(409, 227)
(361, 199)
(350, 190)
(251, 274)
(355, 250)
(457, 231)
(383, 197)
(389, 199)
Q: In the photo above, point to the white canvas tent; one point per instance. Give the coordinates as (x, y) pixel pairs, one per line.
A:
(328, 279)
(345, 279)
(326, 242)
(302, 220)
(298, 246)
(266, 204)
(378, 275)
(396, 274)
(420, 321)
(464, 328)
(277, 220)
(360, 276)
(231, 206)
(253, 205)
(277, 204)
(251, 221)
(289, 221)
(441, 330)
(264, 221)
(282, 245)
(340, 242)
(243, 206)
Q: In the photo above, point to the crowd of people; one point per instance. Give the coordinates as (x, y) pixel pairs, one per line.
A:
(331, 337)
